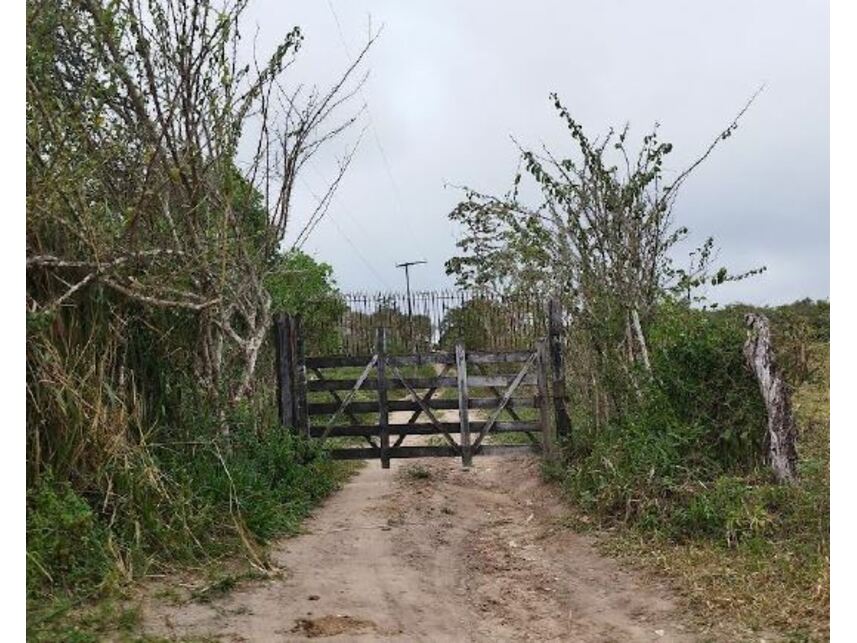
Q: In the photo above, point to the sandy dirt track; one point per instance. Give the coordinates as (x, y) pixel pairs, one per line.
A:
(445, 555)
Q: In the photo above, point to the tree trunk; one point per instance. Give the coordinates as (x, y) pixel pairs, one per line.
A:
(782, 431)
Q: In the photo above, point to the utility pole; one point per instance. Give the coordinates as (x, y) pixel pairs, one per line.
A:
(406, 265)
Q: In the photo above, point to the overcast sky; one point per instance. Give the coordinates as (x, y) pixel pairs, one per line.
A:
(450, 82)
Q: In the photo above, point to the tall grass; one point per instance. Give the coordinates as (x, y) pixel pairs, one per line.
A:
(128, 470)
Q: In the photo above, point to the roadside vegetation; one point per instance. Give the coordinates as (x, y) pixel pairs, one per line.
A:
(748, 554)
(667, 455)
(155, 260)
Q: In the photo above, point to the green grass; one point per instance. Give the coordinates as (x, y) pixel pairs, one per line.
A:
(749, 557)
(222, 503)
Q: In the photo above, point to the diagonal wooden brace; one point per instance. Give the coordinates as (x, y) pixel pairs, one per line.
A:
(426, 398)
(506, 397)
(349, 396)
(427, 410)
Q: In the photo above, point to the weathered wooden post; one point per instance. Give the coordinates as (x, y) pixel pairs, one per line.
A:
(555, 346)
(383, 419)
(463, 403)
(300, 403)
(782, 431)
(285, 371)
(547, 419)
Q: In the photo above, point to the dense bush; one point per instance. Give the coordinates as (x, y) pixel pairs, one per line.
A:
(262, 484)
(66, 545)
(699, 416)
(299, 285)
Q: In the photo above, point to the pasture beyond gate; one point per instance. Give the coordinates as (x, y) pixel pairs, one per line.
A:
(428, 402)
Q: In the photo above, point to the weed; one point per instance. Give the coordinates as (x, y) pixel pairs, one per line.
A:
(417, 472)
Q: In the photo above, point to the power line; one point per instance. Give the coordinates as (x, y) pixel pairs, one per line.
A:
(397, 195)
(354, 247)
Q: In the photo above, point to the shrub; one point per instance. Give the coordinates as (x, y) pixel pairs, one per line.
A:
(272, 478)
(66, 546)
(698, 418)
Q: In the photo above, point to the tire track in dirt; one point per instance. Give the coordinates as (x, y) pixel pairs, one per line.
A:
(427, 551)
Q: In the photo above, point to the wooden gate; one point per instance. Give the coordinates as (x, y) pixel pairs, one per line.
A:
(460, 403)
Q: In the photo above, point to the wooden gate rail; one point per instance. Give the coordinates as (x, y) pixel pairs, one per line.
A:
(536, 381)
(322, 408)
(477, 381)
(364, 453)
(424, 428)
(473, 357)
(419, 401)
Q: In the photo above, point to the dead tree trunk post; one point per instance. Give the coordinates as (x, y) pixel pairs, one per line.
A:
(782, 431)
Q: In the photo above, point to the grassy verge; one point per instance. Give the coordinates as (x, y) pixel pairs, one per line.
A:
(750, 558)
(216, 503)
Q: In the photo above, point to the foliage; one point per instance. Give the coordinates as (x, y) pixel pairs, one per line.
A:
(760, 554)
(299, 285)
(66, 546)
(149, 249)
(404, 334)
(601, 238)
(744, 550)
(799, 330)
(219, 499)
(476, 321)
(699, 416)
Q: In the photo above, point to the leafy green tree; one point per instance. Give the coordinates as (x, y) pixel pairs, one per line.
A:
(300, 285)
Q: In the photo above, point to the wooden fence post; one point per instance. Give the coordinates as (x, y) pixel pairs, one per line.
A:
(555, 332)
(299, 397)
(383, 420)
(547, 418)
(285, 371)
(463, 403)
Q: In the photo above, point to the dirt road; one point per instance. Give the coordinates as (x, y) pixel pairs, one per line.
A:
(427, 551)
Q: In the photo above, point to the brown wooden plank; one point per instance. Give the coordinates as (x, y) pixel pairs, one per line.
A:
(363, 453)
(285, 372)
(399, 452)
(363, 376)
(425, 409)
(420, 428)
(498, 357)
(326, 408)
(297, 335)
(383, 419)
(419, 407)
(546, 417)
(478, 381)
(337, 361)
(427, 397)
(499, 396)
(560, 397)
(419, 360)
(508, 449)
(474, 357)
